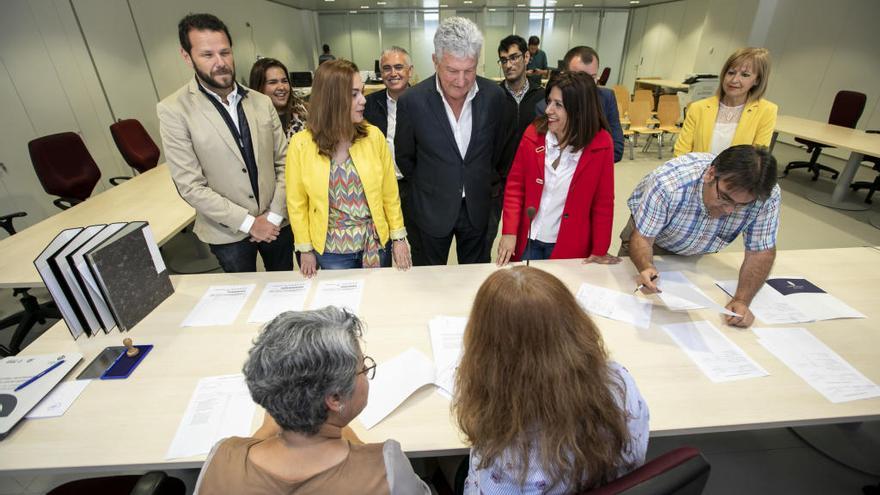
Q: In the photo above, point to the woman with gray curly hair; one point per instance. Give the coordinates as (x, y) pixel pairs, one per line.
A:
(308, 372)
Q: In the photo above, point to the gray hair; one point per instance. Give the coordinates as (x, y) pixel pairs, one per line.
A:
(458, 37)
(397, 49)
(301, 358)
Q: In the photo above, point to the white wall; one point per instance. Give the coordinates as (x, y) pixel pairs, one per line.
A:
(48, 83)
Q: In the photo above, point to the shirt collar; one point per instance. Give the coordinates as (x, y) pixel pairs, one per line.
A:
(470, 96)
(520, 93)
(238, 92)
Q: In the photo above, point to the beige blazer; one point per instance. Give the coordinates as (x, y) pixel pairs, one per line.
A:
(207, 166)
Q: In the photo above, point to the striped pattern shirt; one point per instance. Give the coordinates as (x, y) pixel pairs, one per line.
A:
(668, 206)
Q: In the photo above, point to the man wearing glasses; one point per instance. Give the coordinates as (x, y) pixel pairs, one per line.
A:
(521, 97)
(699, 203)
(381, 111)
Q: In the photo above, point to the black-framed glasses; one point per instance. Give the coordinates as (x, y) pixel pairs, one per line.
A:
(389, 69)
(727, 200)
(369, 368)
(512, 58)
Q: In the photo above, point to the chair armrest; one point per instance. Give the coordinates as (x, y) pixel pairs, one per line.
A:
(873, 131)
(149, 483)
(6, 221)
(117, 180)
(66, 203)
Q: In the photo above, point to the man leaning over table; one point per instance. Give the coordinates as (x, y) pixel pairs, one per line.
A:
(225, 148)
(699, 203)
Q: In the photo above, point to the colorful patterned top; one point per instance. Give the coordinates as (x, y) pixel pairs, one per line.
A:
(501, 477)
(350, 227)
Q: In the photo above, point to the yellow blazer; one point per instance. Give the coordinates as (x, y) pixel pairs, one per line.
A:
(308, 181)
(755, 125)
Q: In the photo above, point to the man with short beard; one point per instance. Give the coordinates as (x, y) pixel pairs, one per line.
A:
(225, 148)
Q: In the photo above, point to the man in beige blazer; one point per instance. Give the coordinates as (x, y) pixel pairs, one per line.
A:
(225, 148)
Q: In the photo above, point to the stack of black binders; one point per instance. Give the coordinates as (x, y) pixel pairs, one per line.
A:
(104, 276)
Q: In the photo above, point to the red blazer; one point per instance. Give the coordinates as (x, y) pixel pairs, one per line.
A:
(585, 228)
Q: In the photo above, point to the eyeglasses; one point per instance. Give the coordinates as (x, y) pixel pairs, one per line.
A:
(513, 58)
(369, 368)
(727, 200)
(388, 69)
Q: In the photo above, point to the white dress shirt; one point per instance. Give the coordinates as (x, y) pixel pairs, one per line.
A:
(389, 135)
(545, 226)
(232, 109)
(463, 126)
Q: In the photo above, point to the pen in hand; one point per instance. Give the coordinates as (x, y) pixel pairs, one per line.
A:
(39, 375)
(642, 286)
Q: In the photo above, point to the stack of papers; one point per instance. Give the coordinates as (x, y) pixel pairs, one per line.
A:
(819, 366)
(59, 399)
(345, 294)
(680, 294)
(784, 300)
(219, 305)
(716, 355)
(615, 305)
(220, 407)
(278, 297)
(447, 333)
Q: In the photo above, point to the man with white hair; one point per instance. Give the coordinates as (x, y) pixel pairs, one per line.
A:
(450, 132)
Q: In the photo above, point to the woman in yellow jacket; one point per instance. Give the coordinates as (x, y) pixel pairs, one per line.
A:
(342, 195)
(738, 113)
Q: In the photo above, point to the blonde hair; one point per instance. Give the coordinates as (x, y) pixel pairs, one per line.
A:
(534, 377)
(330, 107)
(759, 58)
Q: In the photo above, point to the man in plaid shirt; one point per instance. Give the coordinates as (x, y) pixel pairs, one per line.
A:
(699, 203)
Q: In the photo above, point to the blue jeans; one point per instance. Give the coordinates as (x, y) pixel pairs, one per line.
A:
(537, 250)
(342, 261)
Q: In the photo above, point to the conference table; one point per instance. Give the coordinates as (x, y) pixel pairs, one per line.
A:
(119, 425)
(859, 142)
(667, 85)
(150, 196)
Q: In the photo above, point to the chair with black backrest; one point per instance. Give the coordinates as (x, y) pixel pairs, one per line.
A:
(683, 471)
(32, 312)
(870, 186)
(606, 73)
(152, 483)
(845, 112)
(135, 144)
(66, 168)
(301, 79)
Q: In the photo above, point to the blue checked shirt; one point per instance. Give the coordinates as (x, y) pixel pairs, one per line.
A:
(668, 206)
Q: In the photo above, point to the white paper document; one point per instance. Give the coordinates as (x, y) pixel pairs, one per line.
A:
(680, 294)
(615, 305)
(220, 407)
(785, 300)
(278, 297)
(716, 355)
(219, 305)
(447, 333)
(340, 293)
(59, 399)
(396, 379)
(818, 365)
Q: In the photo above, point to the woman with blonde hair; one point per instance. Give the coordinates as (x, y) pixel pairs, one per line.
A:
(342, 195)
(738, 113)
(543, 407)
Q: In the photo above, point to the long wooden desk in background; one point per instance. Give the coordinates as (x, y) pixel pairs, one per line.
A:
(129, 424)
(661, 84)
(859, 142)
(150, 196)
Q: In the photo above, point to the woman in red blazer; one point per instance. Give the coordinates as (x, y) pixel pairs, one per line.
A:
(564, 169)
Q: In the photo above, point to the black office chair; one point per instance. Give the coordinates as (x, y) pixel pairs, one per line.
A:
(152, 483)
(845, 112)
(870, 186)
(300, 79)
(32, 312)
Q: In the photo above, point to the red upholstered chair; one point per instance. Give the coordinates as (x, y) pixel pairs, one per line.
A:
(135, 144)
(606, 73)
(683, 471)
(845, 112)
(65, 168)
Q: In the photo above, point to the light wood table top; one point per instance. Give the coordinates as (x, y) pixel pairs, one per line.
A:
(150, 196)
(129, 424)
(662, 83)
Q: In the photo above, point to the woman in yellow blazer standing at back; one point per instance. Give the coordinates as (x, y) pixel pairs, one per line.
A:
(738, 113)
(342, 196)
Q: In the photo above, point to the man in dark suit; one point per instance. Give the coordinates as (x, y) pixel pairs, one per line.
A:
(395, 65)
(585, 59)
(450, 133)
